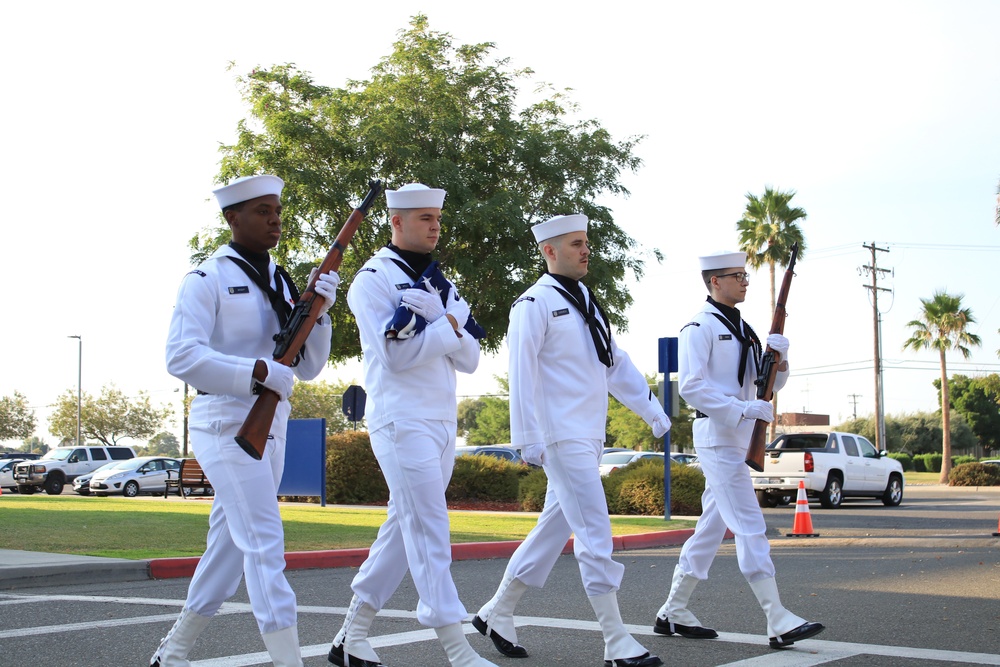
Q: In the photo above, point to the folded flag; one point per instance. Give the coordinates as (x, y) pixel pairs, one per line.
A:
(407, 324)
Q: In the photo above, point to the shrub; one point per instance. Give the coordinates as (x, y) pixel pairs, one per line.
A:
(353, 475)
(531, 490)
(919, 465)
(638, 489)
(932, 462)
(904, 459)
(959, 460)
(484, 478)
(974, 474)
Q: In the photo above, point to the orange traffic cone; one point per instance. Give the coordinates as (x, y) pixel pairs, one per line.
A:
(803, 526)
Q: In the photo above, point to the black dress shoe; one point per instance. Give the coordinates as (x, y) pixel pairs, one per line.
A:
(804, 631)
(644, 660)
(336, 656)
(663, 627)
(509, 649)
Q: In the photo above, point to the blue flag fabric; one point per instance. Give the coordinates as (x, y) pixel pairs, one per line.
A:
(407, 324)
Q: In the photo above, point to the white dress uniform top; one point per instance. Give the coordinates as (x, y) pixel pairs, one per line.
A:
(718, 360)
(412, 422)
(559, 398)
(708, 359)
(222, 323)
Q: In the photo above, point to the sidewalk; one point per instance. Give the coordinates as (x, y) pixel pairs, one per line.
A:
(25, 569)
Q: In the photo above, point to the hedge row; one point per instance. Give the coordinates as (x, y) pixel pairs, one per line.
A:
(353, 477)
(927, 462)
(974, 474)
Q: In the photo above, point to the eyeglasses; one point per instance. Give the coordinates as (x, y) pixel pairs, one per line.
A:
(739, 275)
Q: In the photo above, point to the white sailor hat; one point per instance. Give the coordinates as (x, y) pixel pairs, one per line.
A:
(415, 195)
(559, 225)
(246, 188)
(722, 260)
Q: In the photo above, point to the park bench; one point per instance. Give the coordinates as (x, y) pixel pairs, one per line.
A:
(190, 477)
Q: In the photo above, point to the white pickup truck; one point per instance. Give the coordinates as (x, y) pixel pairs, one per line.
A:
(832, 465)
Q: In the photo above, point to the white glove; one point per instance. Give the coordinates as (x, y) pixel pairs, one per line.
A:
(326, 286)
(424, 304)
(280, 378)
(458, 308)
(534, 454)
(661, 424)
(758, 409)
(778, 343)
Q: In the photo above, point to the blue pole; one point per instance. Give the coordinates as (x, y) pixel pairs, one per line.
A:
(667, 353)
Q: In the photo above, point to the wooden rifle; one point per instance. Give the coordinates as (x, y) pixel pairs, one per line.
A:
(769, 369)
(252, 436)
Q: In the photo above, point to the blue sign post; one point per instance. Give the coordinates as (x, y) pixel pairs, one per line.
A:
(667, 365)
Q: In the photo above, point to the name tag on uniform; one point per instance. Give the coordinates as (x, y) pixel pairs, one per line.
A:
(239, 289)
(402, 286)
(560, 312)
(725, 336)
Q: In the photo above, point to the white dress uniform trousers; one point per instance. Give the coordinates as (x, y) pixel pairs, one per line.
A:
(221, 325)
(412, 421)
(559, 397)
(709, 357)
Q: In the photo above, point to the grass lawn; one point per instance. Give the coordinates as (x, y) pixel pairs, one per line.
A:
(910, 477)
(142, 528)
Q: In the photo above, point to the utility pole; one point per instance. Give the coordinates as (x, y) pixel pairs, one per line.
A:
(854, 400)
(875, 272)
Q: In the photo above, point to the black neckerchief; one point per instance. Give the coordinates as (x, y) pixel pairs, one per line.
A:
(417, 261)
(255, 265)
(744, 334)
(600, 332)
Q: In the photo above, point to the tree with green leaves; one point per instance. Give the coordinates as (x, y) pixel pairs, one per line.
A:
(487, 418)
(321, 400)
(978, 399)
(17, 419)
(163, 443)
(768, 230)
(445, 114)
(108, 418)
(943, 326)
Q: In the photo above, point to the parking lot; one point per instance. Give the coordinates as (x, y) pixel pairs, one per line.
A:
(914, 585)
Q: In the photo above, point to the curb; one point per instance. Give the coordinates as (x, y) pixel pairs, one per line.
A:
(169, 568)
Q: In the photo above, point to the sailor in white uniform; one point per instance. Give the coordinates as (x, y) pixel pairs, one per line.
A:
(718, 363)
(412, 420)
(563, 363)
(221, 342)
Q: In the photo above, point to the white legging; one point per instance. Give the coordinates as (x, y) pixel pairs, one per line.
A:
(729, 501)
(417, 458)
(574, 504)
(245, 535)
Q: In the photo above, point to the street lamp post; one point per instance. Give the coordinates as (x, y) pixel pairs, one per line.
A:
(79, 379)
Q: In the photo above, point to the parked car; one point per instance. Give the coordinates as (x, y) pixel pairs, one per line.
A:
(832, 466)
(24, 456)
(144, 474)
(496, 451)
(61, 465)
(81, 483)
(992, 462)
(608, 450)
(614, 460)
(7, 482)
(683, 459)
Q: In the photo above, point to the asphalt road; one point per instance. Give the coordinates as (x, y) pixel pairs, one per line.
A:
(907, 586)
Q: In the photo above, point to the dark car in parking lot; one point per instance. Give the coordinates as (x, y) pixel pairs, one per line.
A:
(497, 451)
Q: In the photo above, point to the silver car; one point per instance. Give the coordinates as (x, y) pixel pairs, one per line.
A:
(143, 474)
(81, 483)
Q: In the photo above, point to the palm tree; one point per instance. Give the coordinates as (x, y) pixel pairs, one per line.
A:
(943, 326)
(768, 230)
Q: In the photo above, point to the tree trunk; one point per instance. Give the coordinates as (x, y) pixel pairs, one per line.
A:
(774, 397)
(945, 424)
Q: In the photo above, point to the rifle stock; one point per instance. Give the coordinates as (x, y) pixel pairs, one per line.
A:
(769, 368)
(252, 436)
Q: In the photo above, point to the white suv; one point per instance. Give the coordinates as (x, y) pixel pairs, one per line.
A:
(62, 465)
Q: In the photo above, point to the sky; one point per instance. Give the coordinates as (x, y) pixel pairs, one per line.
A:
(883, 117)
